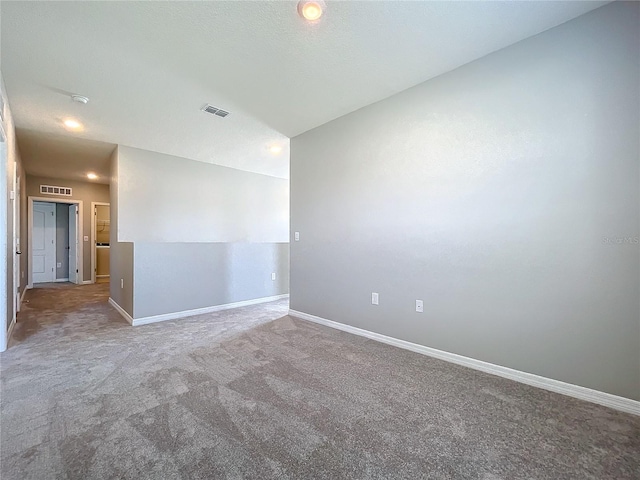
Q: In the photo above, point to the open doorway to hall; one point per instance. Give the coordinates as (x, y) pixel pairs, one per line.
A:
(100, 232)
(55, 243)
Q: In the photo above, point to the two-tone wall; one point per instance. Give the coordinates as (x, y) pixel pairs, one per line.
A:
(197, 235)
(504, 194)
(86, 192)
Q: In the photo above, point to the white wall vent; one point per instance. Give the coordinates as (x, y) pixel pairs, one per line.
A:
(215, 110)
(51, 190)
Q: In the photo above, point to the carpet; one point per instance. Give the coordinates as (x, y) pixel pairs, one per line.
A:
(252, 393)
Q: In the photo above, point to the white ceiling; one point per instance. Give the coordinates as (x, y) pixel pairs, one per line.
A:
(148, 67)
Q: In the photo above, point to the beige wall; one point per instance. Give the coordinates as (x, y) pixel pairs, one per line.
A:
(86, 192)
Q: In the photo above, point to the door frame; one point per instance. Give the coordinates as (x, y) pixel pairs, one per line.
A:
(50, 249)
(17, 246)
(68, 201)
(93, 235)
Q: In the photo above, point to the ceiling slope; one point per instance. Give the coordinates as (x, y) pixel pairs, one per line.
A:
(148, 67)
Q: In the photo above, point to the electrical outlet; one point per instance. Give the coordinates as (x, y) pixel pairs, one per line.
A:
(59, 264)
(419, 306)
(273, 276)
(374, 298)
(296, 236)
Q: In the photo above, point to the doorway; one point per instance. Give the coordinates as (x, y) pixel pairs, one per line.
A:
(55, 240)
(100, 242)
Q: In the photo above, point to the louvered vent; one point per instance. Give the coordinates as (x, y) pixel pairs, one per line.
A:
(215, 110)
(51, 190)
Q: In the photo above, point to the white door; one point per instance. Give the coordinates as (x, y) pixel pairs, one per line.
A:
(44, 242)
(73, 243)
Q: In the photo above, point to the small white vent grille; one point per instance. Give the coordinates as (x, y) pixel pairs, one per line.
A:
(215, 110)
(51, 190)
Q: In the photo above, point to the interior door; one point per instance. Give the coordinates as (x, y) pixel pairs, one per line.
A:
(73, 243)
(43, 260)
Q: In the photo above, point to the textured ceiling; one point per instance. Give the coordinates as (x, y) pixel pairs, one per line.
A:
(148, 67)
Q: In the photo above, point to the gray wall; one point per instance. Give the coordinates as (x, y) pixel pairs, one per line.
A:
(202, 235)
(497, 193)
(85, 191)
(120, 253)
(173, 277)
(172, 199)
(62, 240)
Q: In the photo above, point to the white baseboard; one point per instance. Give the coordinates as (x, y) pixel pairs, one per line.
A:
(61, 279)
(595, 396)
(190, 313)
(87, 282)
(121, 311)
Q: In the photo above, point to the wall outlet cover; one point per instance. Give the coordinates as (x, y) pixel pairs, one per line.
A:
(374, 298)
(419, 306)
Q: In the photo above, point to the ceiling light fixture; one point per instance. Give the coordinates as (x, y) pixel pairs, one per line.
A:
(311, 10)
(92, 176)
(72, 124)
(275, 149)
(80, 99)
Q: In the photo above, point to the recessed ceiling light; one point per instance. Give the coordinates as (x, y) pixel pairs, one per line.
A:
(92, 176)
(311, 9)
(275, 149)
(72, 124)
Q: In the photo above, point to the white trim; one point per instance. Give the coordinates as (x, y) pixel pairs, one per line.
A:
(61, 280)
(93, 237)
(196, 311)
(10, 332)
(24, 292)
(86, 282)
(68, 201)
(121, 311)
(608, 400)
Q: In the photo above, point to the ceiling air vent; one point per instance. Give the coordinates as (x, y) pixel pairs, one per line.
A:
(51, 190)
(215, 110)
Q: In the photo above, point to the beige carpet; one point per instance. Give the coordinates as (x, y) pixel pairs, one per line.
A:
(251, 393)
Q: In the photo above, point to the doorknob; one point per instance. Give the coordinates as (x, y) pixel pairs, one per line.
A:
(18, 253)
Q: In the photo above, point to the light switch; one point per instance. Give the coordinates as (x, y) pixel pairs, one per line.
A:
(374, 299)
(59, 264)
(273, 276)
(419, 306)
(86, 238)
(296, 236)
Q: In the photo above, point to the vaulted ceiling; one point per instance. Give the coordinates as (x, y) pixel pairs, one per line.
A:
(149, 67)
